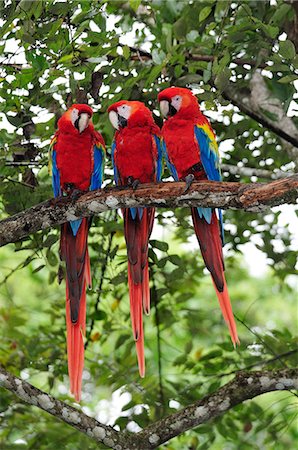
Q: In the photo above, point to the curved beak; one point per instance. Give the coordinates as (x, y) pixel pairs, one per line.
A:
(82, 122)
(164, 107)
(113, 116)
(116, 120)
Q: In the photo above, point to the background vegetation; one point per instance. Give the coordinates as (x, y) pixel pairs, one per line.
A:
(55, 53)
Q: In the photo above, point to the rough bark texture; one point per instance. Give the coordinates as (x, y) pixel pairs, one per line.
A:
(256, 102)
(250, 197)
(261, 100)
(244, 386)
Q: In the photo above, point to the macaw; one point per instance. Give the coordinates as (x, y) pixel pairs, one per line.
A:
(137, 158)
(191, 153)
(77, 154)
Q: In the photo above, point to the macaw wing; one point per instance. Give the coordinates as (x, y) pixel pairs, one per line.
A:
(208, 151)
(116, 173)
(98, 165)
(53, 169)
(169, 163)
(157, 142)
(210, 160)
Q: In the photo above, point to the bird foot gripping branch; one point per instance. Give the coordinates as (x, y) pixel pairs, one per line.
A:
(77, 155)
(197, 148)
(137, 158)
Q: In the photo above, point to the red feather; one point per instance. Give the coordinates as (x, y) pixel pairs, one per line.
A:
(209, 239)
(184, 154)
(75, 161)
(135, 156)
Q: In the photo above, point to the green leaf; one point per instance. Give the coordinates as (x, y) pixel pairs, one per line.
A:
(287, 49)
(98, 315)
(192, 35)
(211, 355)
(162, 246)
(38, 268)
(134, 4)
(204, 13)
(52, 258)
(223, 78)
(154, 73)
(280, 13)
(158, 56)
(288, 79)
(50, 240)
(176, 260)
(126, 51)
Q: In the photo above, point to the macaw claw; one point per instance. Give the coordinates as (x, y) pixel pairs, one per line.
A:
(188, 180)
(76, 193)
(133, 182)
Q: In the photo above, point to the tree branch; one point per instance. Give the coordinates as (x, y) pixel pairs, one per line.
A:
(33, 396)
(261, 100)
(238, 61)
(246, 106)
(256, 197)
(244, 386)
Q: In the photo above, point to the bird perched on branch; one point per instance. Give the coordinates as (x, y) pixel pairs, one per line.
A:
(77, 160)
(191, 153)
(137, 158)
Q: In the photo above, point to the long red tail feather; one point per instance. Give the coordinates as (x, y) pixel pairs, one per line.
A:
(209, 239)
(137, 232)
(75, 253)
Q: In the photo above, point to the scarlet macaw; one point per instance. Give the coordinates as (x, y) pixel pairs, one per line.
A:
(77, 159)
(137, 158)
(191, 152)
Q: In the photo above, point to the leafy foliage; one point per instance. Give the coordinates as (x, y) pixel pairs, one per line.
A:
(55, 53)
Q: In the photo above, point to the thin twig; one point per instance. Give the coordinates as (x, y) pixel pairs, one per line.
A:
(159, 354)
(256, 364)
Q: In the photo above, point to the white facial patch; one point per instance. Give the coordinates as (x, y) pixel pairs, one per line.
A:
(124, 111)
(176, 102)
(74, 115)
(114, 119)
(164, 107)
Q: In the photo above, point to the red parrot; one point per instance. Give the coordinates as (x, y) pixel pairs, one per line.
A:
(191, 153)
(77, 160)
(137, 158)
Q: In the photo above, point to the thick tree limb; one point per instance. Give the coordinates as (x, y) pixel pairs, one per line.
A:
(261, 100)
(237, 100)
(244, 386)
(250, 197)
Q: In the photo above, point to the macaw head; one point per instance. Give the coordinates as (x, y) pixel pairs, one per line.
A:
(77, 118)
(180, 102)
(130, 114)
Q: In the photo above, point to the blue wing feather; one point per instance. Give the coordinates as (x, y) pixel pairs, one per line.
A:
(209, 157)
(170, 165)
(116, 175)
(210, 161)
(55, 175)
(159, 158)
(97, 175)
